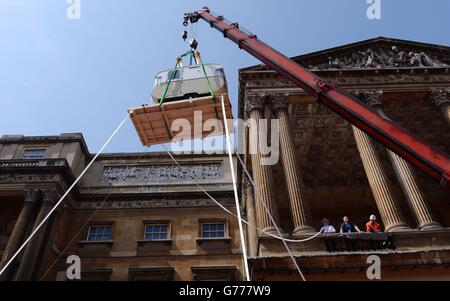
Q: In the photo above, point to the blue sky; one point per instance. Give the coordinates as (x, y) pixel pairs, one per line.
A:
(59, 75)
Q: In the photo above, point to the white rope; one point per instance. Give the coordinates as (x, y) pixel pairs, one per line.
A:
(272, 218)
(62, 198)
(280, 236)
(254, 186)
(87, 222)
(231, 213)
(236, 197)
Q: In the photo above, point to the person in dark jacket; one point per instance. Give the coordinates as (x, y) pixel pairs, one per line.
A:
(349, 227)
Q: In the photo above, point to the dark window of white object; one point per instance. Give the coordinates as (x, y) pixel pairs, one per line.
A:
(157, 81)
(213, 230)
(34, 154)
(174, 74)
(219, 72)
(156, 232)
(100, 233)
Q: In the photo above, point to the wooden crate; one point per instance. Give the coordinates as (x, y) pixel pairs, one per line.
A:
(153, 123)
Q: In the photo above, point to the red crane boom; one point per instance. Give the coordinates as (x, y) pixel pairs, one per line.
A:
(405, 144)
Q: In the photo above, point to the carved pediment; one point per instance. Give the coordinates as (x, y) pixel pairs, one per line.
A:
(378, 53)
(382, 57)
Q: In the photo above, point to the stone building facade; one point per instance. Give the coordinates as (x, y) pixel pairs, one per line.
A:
(131, 216)
(330, 169)
(142, 217)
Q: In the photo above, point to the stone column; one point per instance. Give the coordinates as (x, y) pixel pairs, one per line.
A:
(441, 98)
(409, 183)
(30, 255)
(263, 177)
(413, 193)
(382, 192)
(252, 233)
(32, 196)
(405, 174)
(292, 171)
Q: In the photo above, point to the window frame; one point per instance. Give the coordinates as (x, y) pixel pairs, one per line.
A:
(157, 223)
(106, 224)
(43, 150)
(224, 222)
(177, 75)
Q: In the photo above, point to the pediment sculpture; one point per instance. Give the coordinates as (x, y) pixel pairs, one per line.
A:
(382, 58)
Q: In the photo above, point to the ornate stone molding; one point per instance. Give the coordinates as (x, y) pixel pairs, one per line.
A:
(373, 98)
(378, 58)
(142, 174)
(156, 203)
(439, 96)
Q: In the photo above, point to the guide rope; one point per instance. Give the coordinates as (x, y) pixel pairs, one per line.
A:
(236, 197)
(89, 219)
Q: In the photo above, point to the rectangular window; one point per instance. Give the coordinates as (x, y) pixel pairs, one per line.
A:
(156, 231)
(157, 81)
(213, 230)
(174, 74)
(219, 72)
(34, 153)
(100, 233)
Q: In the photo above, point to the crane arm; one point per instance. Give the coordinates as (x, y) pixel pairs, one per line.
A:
(430, 160)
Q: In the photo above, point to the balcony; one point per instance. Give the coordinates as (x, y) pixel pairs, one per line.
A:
(400, 253)
(330, 244)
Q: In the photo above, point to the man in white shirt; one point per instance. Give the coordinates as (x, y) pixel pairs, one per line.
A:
(327, 228)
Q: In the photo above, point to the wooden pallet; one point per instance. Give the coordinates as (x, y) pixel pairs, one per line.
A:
(153, 123)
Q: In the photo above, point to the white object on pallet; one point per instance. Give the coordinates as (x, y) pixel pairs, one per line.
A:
(153, 123)
(190, 82)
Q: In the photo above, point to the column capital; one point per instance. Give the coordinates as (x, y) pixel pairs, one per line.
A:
(50, 195)
(31, 195)
(372, 98)
(279, 102)
(254, 102)
(439, 96)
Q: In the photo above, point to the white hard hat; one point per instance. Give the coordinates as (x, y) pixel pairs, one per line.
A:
(373, 218)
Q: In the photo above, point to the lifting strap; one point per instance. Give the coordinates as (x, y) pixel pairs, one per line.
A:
(194, 55)
(166, 88)
(197, 55)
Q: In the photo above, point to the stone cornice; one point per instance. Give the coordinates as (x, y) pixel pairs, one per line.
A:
(65, 138)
